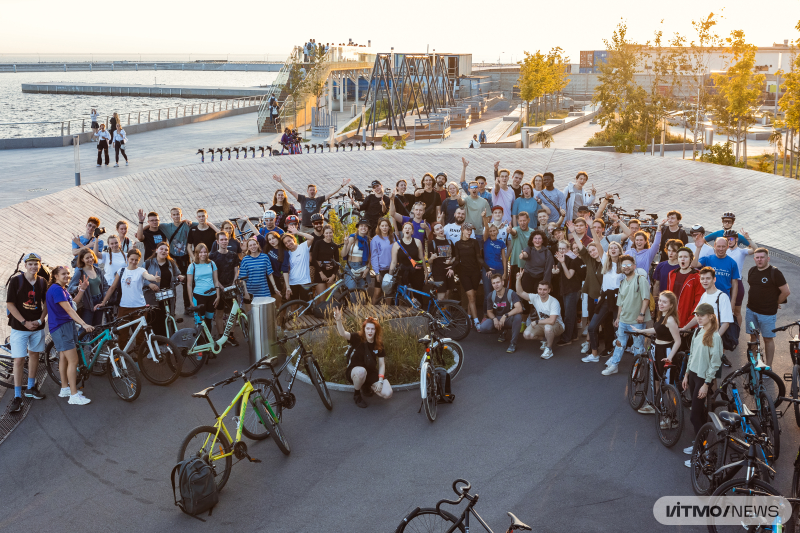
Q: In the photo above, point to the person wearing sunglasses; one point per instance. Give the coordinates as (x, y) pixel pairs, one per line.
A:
(738, 255)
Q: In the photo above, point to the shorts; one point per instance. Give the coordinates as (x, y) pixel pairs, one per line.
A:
(763, 323)
(65, 336)
(95, 125)
(328, 273)
(739, 293)
(470, 281)
(538, 330)
(207, 302)
(24, 341)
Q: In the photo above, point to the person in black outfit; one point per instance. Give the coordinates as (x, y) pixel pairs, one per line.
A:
(103, 138)
(431, 199)
(324, 256)
(470, 264)
(366, 367)
(572, 271)
(375, 205)
(160, 263)
(151, 236)
(227, 262)
(672, 230)
(402, 200)
(407, 256)
(441, 260)
(282, 207)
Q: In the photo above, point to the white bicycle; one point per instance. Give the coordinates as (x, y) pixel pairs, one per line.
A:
(443, 356)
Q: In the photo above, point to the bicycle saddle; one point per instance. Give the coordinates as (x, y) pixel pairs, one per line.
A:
(268, 362)
(517, 524)
(203, 393)
(435, 283)
(198, 309)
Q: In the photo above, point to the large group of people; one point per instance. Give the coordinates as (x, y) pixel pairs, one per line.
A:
(554, 264)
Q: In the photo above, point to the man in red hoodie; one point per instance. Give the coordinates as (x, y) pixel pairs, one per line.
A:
(685, 283)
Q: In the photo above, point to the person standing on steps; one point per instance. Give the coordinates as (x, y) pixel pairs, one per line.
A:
(366, 368)
(120, 142)
(25, 301)
(768, 291)
(503, 311)
(103, 138)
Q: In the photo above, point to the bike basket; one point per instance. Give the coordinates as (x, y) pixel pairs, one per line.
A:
(166, 294)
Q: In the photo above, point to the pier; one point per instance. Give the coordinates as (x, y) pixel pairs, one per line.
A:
(111, 66)
(161, 91)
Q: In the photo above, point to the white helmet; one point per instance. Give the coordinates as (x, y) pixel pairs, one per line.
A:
(269, 215)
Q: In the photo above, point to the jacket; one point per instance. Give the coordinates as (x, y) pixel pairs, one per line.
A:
(539, 262)
(690, 295)
(151, 265)
(72, 288)
(569, 195)
(703, 360)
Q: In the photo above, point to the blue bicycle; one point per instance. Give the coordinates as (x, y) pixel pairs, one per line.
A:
(449, 312)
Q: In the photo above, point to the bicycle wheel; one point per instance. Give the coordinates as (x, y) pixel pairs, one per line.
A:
(289, 314)
(739, 487)
(7, 372)
(768, 418)
(253, 427)
(428, 520)
(795, 391)
(274, 427)
(244, 325)
(199, 442)
(318, 379)
(636, 383)
(428, 382)
(669, 415)
(124, 378)
(707, 457)
(193, 361)
(453, 350)
(454, 317)
(52, 358)
(773, 385)
(166, 367)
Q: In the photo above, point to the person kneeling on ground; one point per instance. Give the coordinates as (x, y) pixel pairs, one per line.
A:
(544, 322)
(367, 366)
(503, 311)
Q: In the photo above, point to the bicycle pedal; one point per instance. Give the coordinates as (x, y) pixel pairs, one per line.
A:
(253, 459)
(787, 376)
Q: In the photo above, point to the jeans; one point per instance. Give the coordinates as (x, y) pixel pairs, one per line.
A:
(514, 324)
(102, 148)
(119, 147)
(623, 332)
(352, 281)
(603, 315)
(570, 314)
(699, 406)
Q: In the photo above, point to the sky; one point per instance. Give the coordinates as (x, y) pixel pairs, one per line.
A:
(249, 27)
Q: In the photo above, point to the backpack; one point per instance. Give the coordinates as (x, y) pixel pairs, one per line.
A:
(509, 292)
(443, 386)
(358, 196)
(730, 339)
(197, 486)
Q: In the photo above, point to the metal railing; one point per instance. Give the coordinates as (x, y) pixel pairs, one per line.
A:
(275, 90)
(62, 128)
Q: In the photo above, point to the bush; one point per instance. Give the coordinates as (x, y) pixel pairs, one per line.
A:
(400, 144)
(387, 141)
(720, 154)
(626, 142)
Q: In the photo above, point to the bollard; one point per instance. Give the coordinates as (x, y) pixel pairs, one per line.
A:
(202, 155)
(211, 151)
(76, 143)
(253, 148)
(263, 329)
(262, 151)
(229, 153)
(351, 146)
(372, 143)
(307, 149)
(220, 153)
(337, 146)
(245, 151)
(269, 149)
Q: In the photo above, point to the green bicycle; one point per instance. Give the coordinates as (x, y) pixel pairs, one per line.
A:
(197, 344)
(104, 353)
(213, 443)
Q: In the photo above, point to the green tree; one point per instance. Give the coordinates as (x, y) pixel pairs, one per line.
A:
(790, 101)
(532, 82)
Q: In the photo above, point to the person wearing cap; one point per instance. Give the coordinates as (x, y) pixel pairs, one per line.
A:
(357, 254)
(705, 358)
(282, 207)
(553, 198)
(309, 203)
(684, 283)
(475, 207)
(718, 300)
(575, 197)
(451, 203)
(497, 221)
(698, 234)
(480, 180)
(375, 205)
(526, 202)
(25, 301)
(728, 220)
(469, 264)
(502, 194)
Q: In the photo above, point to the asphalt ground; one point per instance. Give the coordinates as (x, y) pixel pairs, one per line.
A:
(553, 441)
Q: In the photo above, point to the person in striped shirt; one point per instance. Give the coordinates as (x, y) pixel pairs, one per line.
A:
(257, 268)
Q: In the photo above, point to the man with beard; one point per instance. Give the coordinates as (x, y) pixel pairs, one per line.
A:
(552, 197)
(452, 232)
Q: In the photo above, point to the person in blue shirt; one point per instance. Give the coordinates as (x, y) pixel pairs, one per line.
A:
(90, 239)
(725, 267)
(727, 223)
(495, 255)
(527, 203)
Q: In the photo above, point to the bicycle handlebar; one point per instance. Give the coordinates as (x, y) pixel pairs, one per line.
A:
(464, 489)
(787, 326)
(300, 333)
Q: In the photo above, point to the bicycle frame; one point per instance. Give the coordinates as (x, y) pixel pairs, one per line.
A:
(100, 341)
(405, 292)
(746, 427)
(215, 346)
(310, 303)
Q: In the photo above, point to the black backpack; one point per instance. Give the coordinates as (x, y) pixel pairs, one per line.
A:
(197, 486)
(358, 196)
(443, 386)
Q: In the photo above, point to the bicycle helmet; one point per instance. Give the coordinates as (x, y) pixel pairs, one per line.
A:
(316, 217)
(697, 228)
(269, 215)
(730, 233)
(292, 219)
(728, 215)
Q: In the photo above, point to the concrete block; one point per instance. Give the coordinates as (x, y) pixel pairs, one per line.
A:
(555, 121)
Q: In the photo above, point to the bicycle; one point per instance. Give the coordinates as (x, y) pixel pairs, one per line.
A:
(7, 366)
(794, 377)
(290, 313)
(762, 391)
(344, 209)
(197, 343)
(213, 443)
(435, 348)
(436, 519)
(666, 400)
(449, 312)
(313, 370)
(119, 366)
(170, 322)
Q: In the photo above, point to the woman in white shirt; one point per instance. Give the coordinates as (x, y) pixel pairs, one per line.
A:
(120, 139)
(94, 117)
(103, 138)
(112, 260)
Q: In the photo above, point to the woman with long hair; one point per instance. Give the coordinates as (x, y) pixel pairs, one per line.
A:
(89, 269)
(452, 202)
(234, 246)
(112, 260)
(160, 263)
(283, 207)
(103, 140)
(279, 260)
(705, 359)
(367, 367)
(324, 257)
(408, 259)
(381, 255)
(441, 261)
(470, 264)
(430, 198)
(538, 183)
(61, 319)
(643, 251)
(202, 282)
(666, 328)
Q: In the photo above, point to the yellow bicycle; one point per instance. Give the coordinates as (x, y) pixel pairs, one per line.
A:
(259, 416)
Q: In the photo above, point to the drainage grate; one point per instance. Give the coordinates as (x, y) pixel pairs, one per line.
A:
(9, 421)
(780, 254)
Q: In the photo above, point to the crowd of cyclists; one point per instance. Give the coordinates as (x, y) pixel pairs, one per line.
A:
(557, 265)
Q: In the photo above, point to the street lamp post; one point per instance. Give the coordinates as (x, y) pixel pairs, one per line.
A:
(76, 144)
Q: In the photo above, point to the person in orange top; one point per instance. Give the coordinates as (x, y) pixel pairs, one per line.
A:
(684, 282)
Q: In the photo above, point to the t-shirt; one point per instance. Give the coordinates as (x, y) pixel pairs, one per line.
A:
(431, 200)
(573, 284)
(473, 207)
(226, 266)
(299, 272)
(529, 205)
(449, 207)
(84, 242)
(203, 280)
(177, 246)
(444, 251)
(662, 274)
(326, 253)
(132, 282)
(29, 299)
(502, 230)
(373, 207)
(762, 298)
(263, 231)
(517, 190)
(205, 236)
(111, 263)
(504, 198)
(519, 243)
(452, 233)
(726, 268)
(668, 234)
(611, 280)
(680, 281)
(499, 304)
(554, 200)
(738, 255)
(366, 356)
(705, 251)
(401, 203)
(257, 270)
(632, 292)
(493, 254)
(725, 313)
(419, 228)
(151, 240)
(309, 206)
(545, 310)
(56, 315)
(278, 264)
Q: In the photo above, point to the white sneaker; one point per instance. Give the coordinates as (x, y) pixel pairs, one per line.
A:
(79, 399)
(64, 392)
(610, 369)
(647, 410)
(688, 463)
(585, 347)
(688, 451)
(99, 165)
(591, 359)
(547, 353)
(116, 165)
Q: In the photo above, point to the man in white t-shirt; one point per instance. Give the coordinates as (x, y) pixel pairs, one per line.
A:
(452, 231)
(299, 260)
(718, 300)
(502, 194)
(546, 324)
(697, 234)
(738, 255)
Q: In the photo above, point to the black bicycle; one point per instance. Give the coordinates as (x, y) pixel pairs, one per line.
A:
(794, 377)
(305, 355)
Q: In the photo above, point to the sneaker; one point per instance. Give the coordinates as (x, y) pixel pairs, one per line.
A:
(79, 399)
(591, 359)
(610, 369)
(511, 348)
(116, 165)
(502, 336)
(232, 340)
(543, 346)
(64, 392)
(16, 405)
(126, 163)
(359, 400)
(726, 361)
(585, 347)
(688, 451)
(688, 463)
(99, 165)
(35, 394)
(547, 353)
(648, 410)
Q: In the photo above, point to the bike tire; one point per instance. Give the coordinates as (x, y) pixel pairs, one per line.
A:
(289, 313)
(795, 391)
(252, 427)
(455, 317)
(707, 458)
(637, 385)
(672, 416)
(275, 429)
(768, 418)
(429, 520)
(314, 373)
(7, 372)
(739, 486)
(429, 384)
(774, 386)
(166, 369)
(127, 385)
(349, 297)
(244, 325)
(198, 449)
(458, 357)
(193, 362)
(51, 360)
